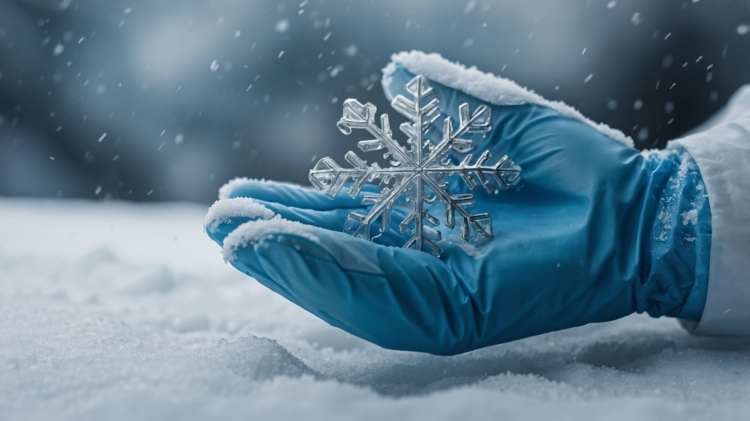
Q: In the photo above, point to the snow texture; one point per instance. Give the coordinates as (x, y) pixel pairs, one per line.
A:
(114, 311)
(669, 203)
(251, 232)
(225, 209)
(226, 190)
(689, 217)
(486, 86)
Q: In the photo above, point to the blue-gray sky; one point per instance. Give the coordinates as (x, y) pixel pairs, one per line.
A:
(167, 100)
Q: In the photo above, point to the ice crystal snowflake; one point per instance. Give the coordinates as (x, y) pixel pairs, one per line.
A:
(423, 165)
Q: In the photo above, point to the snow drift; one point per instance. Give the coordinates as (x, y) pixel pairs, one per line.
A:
(121, 311)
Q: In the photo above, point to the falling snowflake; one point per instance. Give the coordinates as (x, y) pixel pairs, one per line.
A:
(418, 171)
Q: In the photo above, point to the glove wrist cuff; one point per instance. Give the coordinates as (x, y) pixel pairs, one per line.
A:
(677, 244)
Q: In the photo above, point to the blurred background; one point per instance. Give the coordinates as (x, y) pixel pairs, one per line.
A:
(167, 100)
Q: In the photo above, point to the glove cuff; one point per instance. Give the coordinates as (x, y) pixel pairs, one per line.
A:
(676, 246)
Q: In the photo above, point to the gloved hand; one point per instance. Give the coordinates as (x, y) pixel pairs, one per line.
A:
(594, 231)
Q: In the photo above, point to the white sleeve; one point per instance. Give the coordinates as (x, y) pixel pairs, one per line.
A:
(722, 152)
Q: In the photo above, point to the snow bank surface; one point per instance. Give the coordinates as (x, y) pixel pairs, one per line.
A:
(486, 86)
(125, 312)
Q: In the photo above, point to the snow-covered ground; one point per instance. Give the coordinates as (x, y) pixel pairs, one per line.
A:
(123, 311)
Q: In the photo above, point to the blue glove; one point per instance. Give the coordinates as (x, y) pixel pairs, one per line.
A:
(594, 232)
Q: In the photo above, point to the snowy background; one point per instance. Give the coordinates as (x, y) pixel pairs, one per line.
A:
(122, 311)
(192, 93)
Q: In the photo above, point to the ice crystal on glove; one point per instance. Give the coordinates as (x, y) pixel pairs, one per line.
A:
(418, 170)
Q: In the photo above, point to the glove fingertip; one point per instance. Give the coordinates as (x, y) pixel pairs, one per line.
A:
(301, 245)
(250, 233)
(225, 191)
(224, 209)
